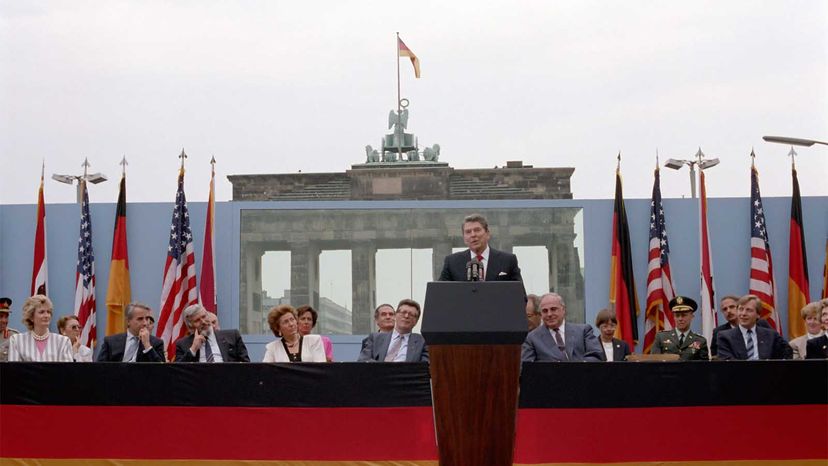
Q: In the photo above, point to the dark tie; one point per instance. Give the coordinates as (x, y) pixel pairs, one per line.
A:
(208, 352)
(560, 342)
(681, 340)
(749, 344)
(482, 269)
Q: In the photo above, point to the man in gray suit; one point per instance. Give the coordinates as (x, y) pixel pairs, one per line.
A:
(399, 345)
(557, 340)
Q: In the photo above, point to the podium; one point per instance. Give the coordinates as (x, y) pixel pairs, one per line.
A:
(474, 332)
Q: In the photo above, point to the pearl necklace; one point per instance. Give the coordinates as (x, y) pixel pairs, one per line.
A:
(40, 337)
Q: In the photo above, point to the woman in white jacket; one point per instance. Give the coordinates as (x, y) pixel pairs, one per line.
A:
(290, 345)
(39, 344)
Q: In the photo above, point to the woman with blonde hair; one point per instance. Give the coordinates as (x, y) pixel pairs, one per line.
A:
(290, 345)
(39, 344)
(811, 314)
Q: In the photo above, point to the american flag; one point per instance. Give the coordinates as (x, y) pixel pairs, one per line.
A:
(179, 289)
(660, 290)
(85, 275)
(761, 267)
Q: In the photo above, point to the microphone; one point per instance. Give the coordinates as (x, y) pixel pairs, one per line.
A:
(473, 268)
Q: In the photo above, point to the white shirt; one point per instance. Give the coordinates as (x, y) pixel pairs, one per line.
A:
(214, 347)
(755, 341)
(485, 260)
(403, 352)
(608, 349)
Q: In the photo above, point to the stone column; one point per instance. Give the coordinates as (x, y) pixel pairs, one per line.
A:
(363, 279)
(250, 290)
(552, 252)
(304, 273)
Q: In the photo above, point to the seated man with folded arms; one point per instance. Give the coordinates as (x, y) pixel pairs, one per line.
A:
(749, 341)
(558, 340)
(399, 345)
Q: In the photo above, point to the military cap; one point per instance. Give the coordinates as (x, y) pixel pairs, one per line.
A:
(683, 304)
(5, 304)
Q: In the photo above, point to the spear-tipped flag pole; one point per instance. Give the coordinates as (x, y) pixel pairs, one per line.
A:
(798, 283)
(762, 283)
(118, 293)
(660, 290)
(40, 269)
(85, 272)
(622, 297)
(179, 288)
(207, 279)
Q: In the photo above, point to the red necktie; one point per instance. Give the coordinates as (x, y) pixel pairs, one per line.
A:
(482, 267)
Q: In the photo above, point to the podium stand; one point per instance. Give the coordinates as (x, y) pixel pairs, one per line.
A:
(474, 331)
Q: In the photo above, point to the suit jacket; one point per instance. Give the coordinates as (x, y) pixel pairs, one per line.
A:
(620, 350)
(23, 347)
(581, 345)
(376, 347)
(817, 348)
(229, 341)
(714, 342)
(501, 266)
(770, 344)
(113, 347)
(693, 349)
(312, 350)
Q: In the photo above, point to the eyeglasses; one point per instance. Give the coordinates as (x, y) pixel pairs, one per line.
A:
(74, 327)
(409, 313)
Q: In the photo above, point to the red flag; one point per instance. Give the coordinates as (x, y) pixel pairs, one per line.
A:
(118, 293)
(40, 270)
(404, 51)
(708, 306)
(179, 288)
(798, 291)
(660, 291)
(762, 284)
(207, 280)
(623, 298)
(85, 274)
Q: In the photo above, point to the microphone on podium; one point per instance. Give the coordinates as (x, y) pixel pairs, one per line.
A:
(473, 269)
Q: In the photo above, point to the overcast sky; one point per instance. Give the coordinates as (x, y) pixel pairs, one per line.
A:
(278, 87)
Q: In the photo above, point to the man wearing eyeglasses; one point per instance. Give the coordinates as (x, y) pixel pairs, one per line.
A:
(399, 345)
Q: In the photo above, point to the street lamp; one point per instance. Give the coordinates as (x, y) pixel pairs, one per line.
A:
(793, 141)
(93, 178)
(703, 164)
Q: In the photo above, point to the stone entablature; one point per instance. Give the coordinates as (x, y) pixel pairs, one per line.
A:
(401, 182)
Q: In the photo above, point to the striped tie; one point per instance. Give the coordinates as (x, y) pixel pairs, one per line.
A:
(749, 344)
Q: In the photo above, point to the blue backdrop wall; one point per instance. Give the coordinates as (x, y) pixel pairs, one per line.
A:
(148, 227)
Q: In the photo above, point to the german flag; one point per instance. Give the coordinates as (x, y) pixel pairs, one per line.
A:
(118, 293)
(798, 295)
(404, 51)
(622, 296)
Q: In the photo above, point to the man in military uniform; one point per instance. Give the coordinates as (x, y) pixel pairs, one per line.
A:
(5, 331)
(681, 340)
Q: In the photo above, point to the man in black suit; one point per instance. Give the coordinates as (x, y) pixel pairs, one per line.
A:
(217, 345)
(136, 344)
(729, 305)
(750, 341)
(497, 265)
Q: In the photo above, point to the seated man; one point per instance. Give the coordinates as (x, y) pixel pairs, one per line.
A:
(817, 348)
(384, 319)
(557, 340)
(136, 344)
(750, 341)
(681, 340)
(729, 307)
(399, 345)
(218, 345)
(533, 314)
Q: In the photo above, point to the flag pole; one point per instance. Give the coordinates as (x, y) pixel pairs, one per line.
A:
(401, 139)
(398, 74)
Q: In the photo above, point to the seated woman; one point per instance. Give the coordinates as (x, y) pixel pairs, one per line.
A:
(307, 321)
(817, 348)
(38, 344)
(813, 327)
(614, 349)
(290, 345)
(69, 326)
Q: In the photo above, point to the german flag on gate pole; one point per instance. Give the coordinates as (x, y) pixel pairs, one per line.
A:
(798, 294)
(622, 297)
(118, 293)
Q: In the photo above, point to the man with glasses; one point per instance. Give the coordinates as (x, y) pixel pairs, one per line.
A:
(399, 345)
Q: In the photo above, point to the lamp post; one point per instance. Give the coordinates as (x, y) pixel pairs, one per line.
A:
(93, 178)
(793, 141)
(699, 161)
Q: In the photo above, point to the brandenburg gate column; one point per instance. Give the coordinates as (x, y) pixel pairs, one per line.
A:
(304, 273)
(364, 292)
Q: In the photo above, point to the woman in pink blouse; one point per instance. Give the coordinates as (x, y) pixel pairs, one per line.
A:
(307, 321)
(39, 344)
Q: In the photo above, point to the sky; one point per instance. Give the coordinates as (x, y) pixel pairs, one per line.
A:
(282, 87)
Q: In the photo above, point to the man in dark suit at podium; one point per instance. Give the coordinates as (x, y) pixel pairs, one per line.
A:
(559, 340)
(497, 265)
